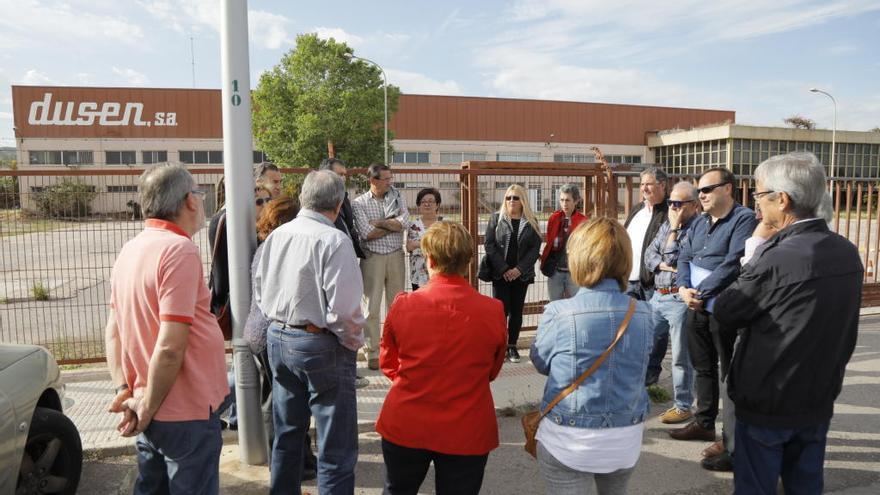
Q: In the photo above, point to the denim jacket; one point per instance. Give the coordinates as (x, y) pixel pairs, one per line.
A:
(572, 334)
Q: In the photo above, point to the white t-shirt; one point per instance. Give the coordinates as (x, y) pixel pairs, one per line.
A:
(637, 230)
(592, 450)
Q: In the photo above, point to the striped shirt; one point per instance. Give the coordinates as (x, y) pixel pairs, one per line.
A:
(366, 207)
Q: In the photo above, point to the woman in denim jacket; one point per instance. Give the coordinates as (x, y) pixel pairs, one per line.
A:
(596, 432)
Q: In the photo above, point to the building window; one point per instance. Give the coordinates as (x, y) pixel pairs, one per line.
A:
(150, 157)
(69, 158)
(122, 189)
(260, 157)
(450, 185)
(517, 156)
(574, 158)
(456, 157)
(410, 157)
(628, 159)
(201, 157)
(120, 157)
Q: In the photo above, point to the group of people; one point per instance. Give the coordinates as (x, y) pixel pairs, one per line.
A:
(737, 294)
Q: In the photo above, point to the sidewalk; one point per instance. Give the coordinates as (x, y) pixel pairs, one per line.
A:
(89, 393)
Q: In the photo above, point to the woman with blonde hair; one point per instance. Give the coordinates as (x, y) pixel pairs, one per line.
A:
(513, 243)
(594, 435)
(441, 346)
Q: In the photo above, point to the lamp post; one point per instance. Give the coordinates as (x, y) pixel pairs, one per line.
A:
(833, 136)
(385, 90)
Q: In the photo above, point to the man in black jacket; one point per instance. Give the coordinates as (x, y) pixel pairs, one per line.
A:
(642, 225)
(345, 219)
(797, 299)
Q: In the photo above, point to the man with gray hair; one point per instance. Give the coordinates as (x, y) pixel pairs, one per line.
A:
(797, 302)
(661, 258)
(165, 350)
(642, 225)
(303, 284)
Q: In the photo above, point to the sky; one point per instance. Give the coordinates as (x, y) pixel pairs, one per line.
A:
(756, 57)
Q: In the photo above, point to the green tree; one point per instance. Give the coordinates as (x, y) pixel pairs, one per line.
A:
(799, 122)
(317, 95)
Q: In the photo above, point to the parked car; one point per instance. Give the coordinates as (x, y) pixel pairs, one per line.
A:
(40, 448)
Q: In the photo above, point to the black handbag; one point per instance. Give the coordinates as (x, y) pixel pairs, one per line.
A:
(485, 271)
(548, 267)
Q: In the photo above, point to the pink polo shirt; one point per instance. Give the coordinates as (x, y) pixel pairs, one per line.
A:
(158, 277)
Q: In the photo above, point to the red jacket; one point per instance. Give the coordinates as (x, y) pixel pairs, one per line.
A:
(441, 346)
(554, 223)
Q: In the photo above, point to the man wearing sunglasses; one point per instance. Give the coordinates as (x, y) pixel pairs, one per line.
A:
(661, 258)
(709, 261)
(642, 225)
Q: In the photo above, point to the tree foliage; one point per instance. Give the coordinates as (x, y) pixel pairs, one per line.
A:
(876, 129)
(317, 95)
(799, 122)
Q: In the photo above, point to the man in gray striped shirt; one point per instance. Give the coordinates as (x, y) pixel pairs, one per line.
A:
(380, 217)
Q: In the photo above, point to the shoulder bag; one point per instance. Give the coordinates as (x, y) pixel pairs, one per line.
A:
(224, 314)
(531, 420)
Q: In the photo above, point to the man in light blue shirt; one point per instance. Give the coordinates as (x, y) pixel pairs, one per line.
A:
(303, 284)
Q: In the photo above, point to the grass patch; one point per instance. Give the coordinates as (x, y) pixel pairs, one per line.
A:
(13, 223)
(658, 395)
(39, 291)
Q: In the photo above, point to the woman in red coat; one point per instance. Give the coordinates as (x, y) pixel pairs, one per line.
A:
(441, 346)
(554, 261)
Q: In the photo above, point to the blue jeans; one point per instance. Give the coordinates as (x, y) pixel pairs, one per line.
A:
(765, 454)
(669, 315)
(180, 456)
(314, 376)
(561, 286)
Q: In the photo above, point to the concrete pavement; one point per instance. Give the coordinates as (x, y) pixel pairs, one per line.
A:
(666, 466)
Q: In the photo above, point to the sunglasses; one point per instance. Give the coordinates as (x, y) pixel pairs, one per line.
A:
(708, 189)
(512, 198)
(262, 201)
(678, 204)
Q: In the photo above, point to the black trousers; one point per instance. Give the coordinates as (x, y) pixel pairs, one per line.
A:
(707, 350)
(513, 296)
(405, 469)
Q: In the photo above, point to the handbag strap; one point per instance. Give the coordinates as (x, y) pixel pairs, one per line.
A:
(220, 224)
(571, 388)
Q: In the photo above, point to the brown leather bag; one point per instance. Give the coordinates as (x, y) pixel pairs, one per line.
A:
(531, 420)
(224, 314)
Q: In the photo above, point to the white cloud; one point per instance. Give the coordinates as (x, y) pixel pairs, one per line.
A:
(338, 34)
(35, 77)
(85, 79)
(185, 17)
(131, 76)
(415, 83)
(268, 30)
(33, 21)
(5, 115)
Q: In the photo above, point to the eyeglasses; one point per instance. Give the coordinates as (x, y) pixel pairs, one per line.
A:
(200, 192)
(428, 202)
(385, 179)
(262, 201)
(512, 198)
(678, 204)
(758, 195)
(709, 189)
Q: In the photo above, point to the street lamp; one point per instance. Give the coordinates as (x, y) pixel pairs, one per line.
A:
(833, 135)
(385, 90)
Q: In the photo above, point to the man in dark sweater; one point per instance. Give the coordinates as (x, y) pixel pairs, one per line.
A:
(797, 299)
(642, 225)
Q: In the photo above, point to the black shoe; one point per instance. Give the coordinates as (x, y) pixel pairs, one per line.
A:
(651, 379)
(309, 474)
(513, 355)
(720, 462)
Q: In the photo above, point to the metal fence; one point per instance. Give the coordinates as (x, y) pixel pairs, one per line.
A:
(60, 232)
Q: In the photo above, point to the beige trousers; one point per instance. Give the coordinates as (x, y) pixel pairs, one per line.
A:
(383, 273)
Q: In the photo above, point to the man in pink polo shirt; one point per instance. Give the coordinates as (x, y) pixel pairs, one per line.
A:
(164, 348)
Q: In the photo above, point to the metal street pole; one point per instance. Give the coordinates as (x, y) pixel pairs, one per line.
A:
(240, 228)
(833, 137)
(385, 90)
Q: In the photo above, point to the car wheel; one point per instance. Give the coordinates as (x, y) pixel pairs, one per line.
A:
(52, 459)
